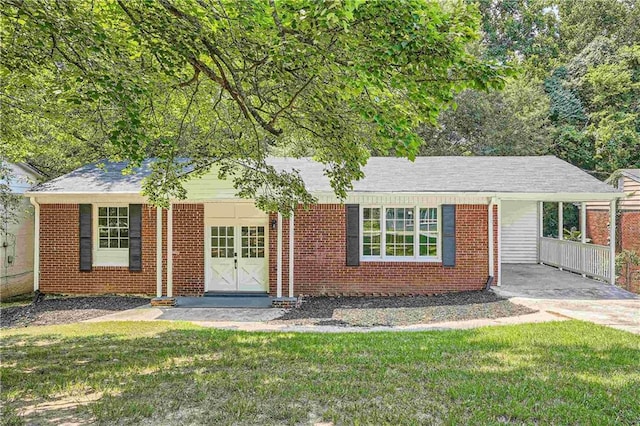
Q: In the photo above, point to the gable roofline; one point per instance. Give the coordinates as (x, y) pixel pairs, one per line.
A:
(633, 174)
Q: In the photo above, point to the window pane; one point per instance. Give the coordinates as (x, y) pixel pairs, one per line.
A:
(124, 243)
(113, 211)
(214, 231)
(371, 231)
(123, 211)
(102, 211)
(102, 221)
(124, 233)
(113, 243)
(229, 252)
(113, 221)
(230, 231)
(104, 243)
(245, 252)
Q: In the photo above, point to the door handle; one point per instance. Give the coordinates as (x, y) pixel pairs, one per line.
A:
(235, 263)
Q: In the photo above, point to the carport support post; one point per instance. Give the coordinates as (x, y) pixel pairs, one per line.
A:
(560, 230)
(560, 220)
(612, 242)
(540, 229)
(490, 224)
(583, 234)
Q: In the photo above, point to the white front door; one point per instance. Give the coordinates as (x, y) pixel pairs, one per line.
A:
(237, 258)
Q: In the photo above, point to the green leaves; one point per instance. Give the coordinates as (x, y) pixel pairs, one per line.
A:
(226, 82)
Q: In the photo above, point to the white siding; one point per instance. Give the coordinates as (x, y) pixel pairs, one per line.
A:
(519, 232)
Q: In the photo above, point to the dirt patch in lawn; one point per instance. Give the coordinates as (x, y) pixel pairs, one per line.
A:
(393, 311)
(64, 310)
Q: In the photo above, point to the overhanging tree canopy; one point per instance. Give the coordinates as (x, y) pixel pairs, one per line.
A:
(229, 82)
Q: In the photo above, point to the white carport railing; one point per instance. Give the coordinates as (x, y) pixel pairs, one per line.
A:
(589, 259)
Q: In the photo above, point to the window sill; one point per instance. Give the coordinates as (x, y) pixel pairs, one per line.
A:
(399, 260)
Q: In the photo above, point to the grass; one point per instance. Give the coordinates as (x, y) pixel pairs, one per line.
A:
(19, 300)
(170, 373)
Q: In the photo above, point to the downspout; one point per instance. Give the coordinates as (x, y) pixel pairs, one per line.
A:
(36, 246)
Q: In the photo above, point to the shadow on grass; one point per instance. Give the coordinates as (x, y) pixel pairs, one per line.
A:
(568, 372)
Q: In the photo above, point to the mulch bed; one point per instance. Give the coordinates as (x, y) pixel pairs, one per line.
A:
(57, 310)
(406, 310)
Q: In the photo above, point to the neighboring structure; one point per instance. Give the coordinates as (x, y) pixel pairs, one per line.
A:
(17, 236)
(628, 222)
(438, 224)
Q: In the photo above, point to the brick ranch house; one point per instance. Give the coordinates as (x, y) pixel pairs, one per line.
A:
(439, 224)
(627, 222)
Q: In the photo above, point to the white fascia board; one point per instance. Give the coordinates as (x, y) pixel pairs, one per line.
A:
(328, 197)
(87, 198)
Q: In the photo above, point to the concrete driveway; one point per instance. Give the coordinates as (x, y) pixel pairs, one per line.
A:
(570, 295)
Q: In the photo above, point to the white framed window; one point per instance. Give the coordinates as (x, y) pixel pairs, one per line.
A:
(400, 233)
(111, 235)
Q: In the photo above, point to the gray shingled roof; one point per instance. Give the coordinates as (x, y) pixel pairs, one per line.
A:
(631, 174)
(543, 174)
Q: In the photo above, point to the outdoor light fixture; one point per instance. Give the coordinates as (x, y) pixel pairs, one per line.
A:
(274, 223)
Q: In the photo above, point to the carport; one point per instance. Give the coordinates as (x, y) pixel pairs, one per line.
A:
(544, 282)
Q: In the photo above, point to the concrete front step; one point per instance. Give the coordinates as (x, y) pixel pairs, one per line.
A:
(226, 301)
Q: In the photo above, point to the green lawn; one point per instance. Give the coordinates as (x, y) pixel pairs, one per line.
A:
(167, 373)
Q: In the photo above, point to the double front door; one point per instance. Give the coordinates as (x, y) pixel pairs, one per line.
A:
(237, 258)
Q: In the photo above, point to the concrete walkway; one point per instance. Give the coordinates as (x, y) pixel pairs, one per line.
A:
(557, 295)
(258, 320)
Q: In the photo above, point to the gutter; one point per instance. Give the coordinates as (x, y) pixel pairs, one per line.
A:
(36, 246)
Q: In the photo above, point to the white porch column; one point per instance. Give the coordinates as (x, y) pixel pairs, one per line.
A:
(158, 252)
(170, 251)
(583, 234)
(490, 222)
(612, 242)
(499, 242)
(36, 245)
(291, 244)
(560, 230)
(560, 220)
(279, 258)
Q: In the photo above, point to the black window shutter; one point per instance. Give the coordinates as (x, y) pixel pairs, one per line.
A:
(135, 237)
(86, 248)
(353, 235)
(448, 235)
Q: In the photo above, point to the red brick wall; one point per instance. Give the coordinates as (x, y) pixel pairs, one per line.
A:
(59, 257)
(188, 249)
(59, 254)
(598, 226)
(630, 240)
(630, 230)
(320, 253)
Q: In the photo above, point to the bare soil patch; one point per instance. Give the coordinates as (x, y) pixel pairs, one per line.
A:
(406, 310)
(65, 310)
